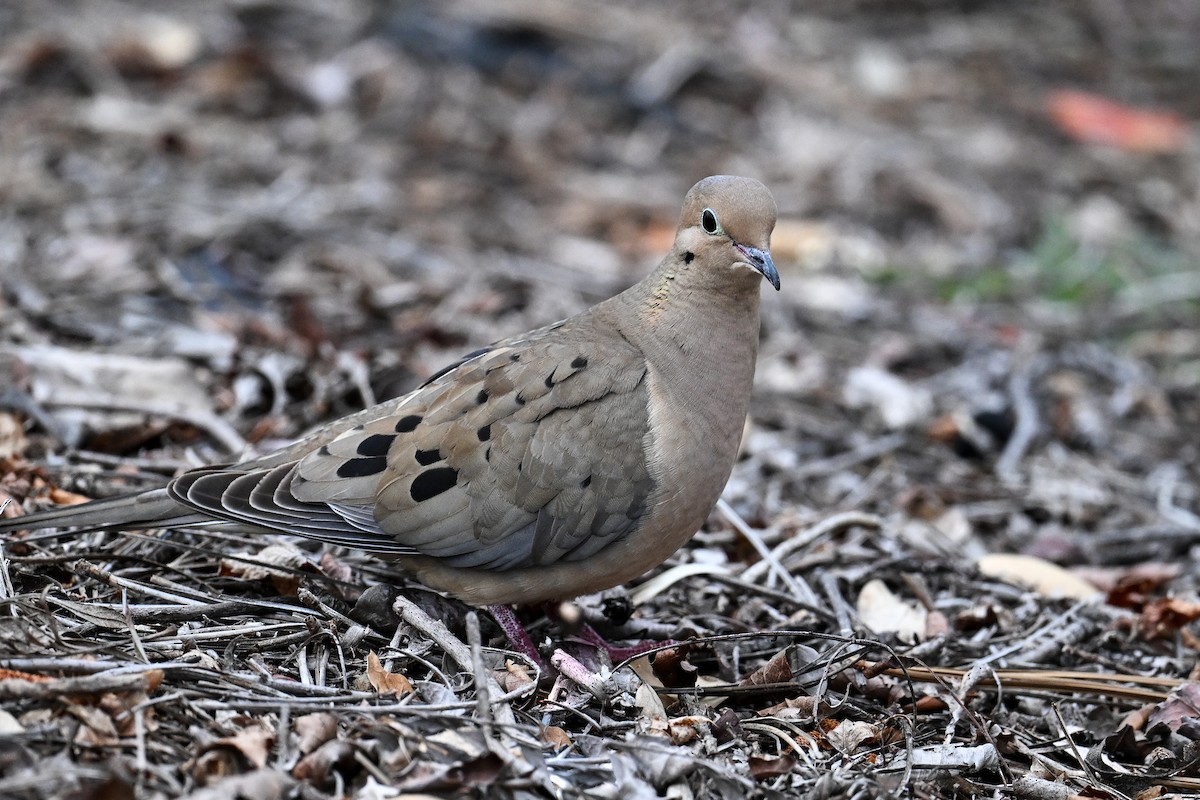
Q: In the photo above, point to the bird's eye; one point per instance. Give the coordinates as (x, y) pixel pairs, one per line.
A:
(708, 221)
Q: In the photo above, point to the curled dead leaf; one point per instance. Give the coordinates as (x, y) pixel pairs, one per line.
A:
(233, 755)
(763, 768)
(1165, 617)
(315, 768)
(313, 730)
(386, 682)
(556, 737)
(277, 563)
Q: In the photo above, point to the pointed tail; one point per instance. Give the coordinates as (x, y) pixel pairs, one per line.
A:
(127, 511)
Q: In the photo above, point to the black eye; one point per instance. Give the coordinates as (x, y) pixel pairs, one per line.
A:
(708, 221)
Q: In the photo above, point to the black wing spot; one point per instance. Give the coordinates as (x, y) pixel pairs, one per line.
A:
(362, 467)
(515, 357)
(688, 257)
(579, 363)
(487, 455)
(409, 423)
(520, 400)
(427, 457)
(433, 482)
(484, 433)
(550, 381)
(482, 397)
(586, 482)
(376, 445)
(323, 450)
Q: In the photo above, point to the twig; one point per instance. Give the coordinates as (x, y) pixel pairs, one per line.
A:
(843, 461)
(411, 613)
(799, 589)
(1026, 414)
(801, 541)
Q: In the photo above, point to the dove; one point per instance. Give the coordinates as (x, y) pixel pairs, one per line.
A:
(549, 465)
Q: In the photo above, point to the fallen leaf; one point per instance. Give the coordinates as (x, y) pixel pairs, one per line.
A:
(1181, 709)
(1163, 618)
(687, 729)
(232, 755)
(672, 667)
(514, 676)
(315, 767)
(97, 729)
(386, 682)
(764, 768)
(277, 563)
(556, 737)
(850, 735)
(1093, 119)
(883, 611)
(313, 730)
(777, 670)
(1034, 573)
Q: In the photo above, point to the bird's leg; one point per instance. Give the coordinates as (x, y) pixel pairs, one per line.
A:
(575, 624)
(518, 637)
(618, 654)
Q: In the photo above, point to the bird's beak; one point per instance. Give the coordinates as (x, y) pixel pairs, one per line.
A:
(761, 261)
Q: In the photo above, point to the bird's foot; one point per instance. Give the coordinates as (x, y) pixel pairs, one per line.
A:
(616, 653)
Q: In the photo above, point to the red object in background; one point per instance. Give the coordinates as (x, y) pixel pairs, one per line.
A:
(1094, 119)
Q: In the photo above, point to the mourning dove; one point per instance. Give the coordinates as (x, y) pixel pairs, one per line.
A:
(557, 463)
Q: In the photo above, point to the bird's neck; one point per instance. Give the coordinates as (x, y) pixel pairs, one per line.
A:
(699, 340)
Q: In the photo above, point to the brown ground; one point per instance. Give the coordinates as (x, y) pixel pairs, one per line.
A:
(224, 222)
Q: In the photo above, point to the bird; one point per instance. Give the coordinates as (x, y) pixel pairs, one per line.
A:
(543, 467)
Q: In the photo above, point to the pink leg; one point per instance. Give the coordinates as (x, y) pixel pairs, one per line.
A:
(617, 654)
(518, 637)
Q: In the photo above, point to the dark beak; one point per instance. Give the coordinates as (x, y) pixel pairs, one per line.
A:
(761, 261)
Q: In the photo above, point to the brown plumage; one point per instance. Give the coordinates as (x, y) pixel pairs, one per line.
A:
(560, 462)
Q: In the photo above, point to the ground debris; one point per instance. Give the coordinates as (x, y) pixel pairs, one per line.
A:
(958, 557)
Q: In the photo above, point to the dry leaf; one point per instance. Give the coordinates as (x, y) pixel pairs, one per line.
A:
(1093, 119)
(884, 612)
(673, 669)
(777, 670)
(313, 730)
(514, 676)
(556, 737)
(850, 735)
(232, 755)
(276, 563)
(1034, 573)
(1180, 710)
(1163, 618)
(764, 768)
(687, 729)
(97, 729)
(315, 767)
(386, 682)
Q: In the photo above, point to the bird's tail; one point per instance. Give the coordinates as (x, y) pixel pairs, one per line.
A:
(155, 507)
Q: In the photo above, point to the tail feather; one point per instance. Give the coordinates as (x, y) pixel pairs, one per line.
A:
(155, 506)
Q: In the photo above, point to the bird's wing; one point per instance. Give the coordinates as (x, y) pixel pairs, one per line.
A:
(526, 453)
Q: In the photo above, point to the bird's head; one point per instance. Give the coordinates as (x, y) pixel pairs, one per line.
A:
(726, 226)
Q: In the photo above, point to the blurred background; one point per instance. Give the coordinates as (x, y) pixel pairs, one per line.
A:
(276, 212)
